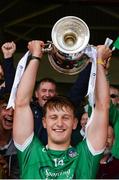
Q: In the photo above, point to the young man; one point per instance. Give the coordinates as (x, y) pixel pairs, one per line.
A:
(58, 159)
(47, 88)
(8, 153)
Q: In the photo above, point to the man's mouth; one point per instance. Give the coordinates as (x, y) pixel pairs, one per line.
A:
(8, 121)
(46, 98)
(59, 130)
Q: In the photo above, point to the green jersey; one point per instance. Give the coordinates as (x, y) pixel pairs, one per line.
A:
(114, 119)
(38, 162)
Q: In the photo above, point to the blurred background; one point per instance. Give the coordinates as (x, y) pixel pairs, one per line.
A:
(24, 20)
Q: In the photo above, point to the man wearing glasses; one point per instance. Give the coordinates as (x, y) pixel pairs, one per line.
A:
(114, 95)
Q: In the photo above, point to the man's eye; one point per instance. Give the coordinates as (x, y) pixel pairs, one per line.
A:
(66, 117)
(53, 117)
(43, 90)
(51, 91)
(4, 106)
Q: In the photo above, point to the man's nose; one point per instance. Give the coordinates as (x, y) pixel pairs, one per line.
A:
(47, 93)
(10, 112)
(59, 122)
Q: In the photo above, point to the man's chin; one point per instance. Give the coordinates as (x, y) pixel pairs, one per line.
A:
(8, 128)
(59, 141)
(43, 103)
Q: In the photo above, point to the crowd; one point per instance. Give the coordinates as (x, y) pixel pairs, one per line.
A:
(48, 136)
(9, 167)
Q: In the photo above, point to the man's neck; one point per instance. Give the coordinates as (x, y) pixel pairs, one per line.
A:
(59, 146)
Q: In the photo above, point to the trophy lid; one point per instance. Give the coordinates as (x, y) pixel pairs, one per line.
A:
(70, 34)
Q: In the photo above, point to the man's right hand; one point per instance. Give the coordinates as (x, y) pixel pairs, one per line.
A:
(8, 49)
(35, 47)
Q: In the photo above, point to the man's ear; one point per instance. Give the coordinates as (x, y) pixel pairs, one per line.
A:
(44, 122)
(36, 94)
(75, 123)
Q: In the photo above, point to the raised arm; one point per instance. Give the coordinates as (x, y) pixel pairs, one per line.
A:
(79, 89)
(98, 123)
(8, 49)
(23, 118)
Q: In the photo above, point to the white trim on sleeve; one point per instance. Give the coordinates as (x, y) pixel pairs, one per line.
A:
(92, 150)
(25, 144)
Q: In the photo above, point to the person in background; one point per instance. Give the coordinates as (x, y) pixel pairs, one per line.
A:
(114, 121)
(8, 153)
(58, 159)
(110, 140)
(114, 95)
(109, 165)
(83, 122)
(8, 158)
(2, 84)
(7, 67)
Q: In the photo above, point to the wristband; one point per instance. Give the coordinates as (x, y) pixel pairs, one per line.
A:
(99, 61)
(35, 57)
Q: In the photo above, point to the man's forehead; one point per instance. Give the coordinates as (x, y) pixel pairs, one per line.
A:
(3, 103)
(114, 90)
(47, 84)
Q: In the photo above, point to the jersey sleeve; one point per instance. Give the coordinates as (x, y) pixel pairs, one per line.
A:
(114, 120)
(89, 162)
(29, 156)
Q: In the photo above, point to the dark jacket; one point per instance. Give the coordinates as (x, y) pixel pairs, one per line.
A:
(109, 170)
(10, 154)
(9, 73)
